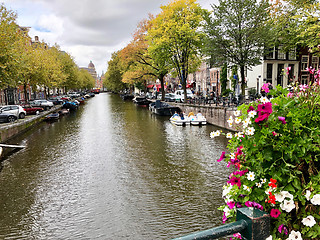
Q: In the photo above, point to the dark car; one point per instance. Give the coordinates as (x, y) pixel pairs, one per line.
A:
(32, 110)
(56, 100)
(7, 117)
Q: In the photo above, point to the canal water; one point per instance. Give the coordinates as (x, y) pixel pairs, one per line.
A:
(111, 170)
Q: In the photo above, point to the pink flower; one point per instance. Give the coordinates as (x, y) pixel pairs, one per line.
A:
(265, 87)
(274, 133)
(223, 156)
(282, 119)
(251, 108)
(261, 118)
(237, 235)
(283, 229)
(235, 181)
(231, 204)
(289, 95)
(265, 108)
(224, 219)
(275, 213)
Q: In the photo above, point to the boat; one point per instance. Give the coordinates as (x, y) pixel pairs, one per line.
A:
(198, 120)
(141, 101)
(163, 109)
(64, 111)
(126, 96)
(52, 117)
(180, 120)
(70, 105)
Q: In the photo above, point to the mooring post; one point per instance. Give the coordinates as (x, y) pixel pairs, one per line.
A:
(258, 223)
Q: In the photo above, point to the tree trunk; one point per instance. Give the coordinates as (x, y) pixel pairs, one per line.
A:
(243, 83)
(161, 78)
(26, 99)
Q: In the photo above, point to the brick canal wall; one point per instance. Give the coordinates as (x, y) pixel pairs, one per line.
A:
(215, 115)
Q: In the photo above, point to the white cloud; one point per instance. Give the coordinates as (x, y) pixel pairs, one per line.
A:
(88, 30)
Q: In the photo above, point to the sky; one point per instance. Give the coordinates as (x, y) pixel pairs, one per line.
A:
(89, 30)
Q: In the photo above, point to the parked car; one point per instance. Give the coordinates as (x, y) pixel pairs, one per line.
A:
(56, 100)
(7, 117)
(16, 110)
(169, 97)
(32, 110)
(41, 103)
(179, 95)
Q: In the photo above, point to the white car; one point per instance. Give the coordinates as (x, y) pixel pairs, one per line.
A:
(16, 110)
(179, 95)
(41, 103)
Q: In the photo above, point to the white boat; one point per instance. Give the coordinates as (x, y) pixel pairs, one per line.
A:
(198, 120)
(176, 120)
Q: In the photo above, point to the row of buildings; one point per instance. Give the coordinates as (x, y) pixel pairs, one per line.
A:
(278, 67)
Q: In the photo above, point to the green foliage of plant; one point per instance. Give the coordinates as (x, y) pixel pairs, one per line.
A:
(276, 153)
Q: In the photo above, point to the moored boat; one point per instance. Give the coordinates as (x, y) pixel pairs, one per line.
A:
(141, 101)
(180, 120)
(198, 120)
(52, 117)
(163, 109)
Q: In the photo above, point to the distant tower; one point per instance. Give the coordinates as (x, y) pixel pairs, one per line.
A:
(92, 70)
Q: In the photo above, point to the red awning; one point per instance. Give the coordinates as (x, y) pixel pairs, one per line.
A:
(150, 86)
(189, 86)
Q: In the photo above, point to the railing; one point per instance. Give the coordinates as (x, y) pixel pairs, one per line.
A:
(252, 223)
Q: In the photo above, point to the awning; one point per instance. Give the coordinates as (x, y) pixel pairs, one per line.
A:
(150, 86)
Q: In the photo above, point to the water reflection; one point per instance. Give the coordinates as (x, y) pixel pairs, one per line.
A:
(111, 171)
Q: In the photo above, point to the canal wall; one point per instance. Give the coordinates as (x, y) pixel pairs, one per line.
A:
(9, 130)
(215, 115)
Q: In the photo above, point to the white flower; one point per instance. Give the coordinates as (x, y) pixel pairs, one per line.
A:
(250, 131)
(279, 197)
(269, 238)
(316, 199)
(287, 205)
(246, 122)
(227, 210)
(308, 193)
(295, 235)
(237, 113)
(213, 134)
(250, 176)
(251, 114)
(264, 100)
(240, 134)
(259, 185)
(226, 190)
(237, 120)
(232, 156)
(283, 195)
(246, 188)
(230, 124)
(263, 180)
(309, 221)
(229, 135)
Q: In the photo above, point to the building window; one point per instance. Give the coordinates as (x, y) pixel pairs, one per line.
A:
(304, 79)
(280, 74)
(291, 76)
(315, 62)
(269, 72)
(270, 53)
(292, 54)
(304, 62)
(281, 52)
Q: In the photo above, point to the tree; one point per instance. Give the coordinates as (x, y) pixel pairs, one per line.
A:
(297, 23)
(175, 37)
(113, 76)
(237, 32)
(141, 66)
(10, 39)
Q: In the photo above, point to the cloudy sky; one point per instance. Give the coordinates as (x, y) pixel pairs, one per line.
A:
(89, 30)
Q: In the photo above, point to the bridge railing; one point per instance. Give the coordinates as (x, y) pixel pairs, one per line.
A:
(252, 223)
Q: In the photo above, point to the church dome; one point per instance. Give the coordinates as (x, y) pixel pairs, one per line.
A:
(91, 65)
